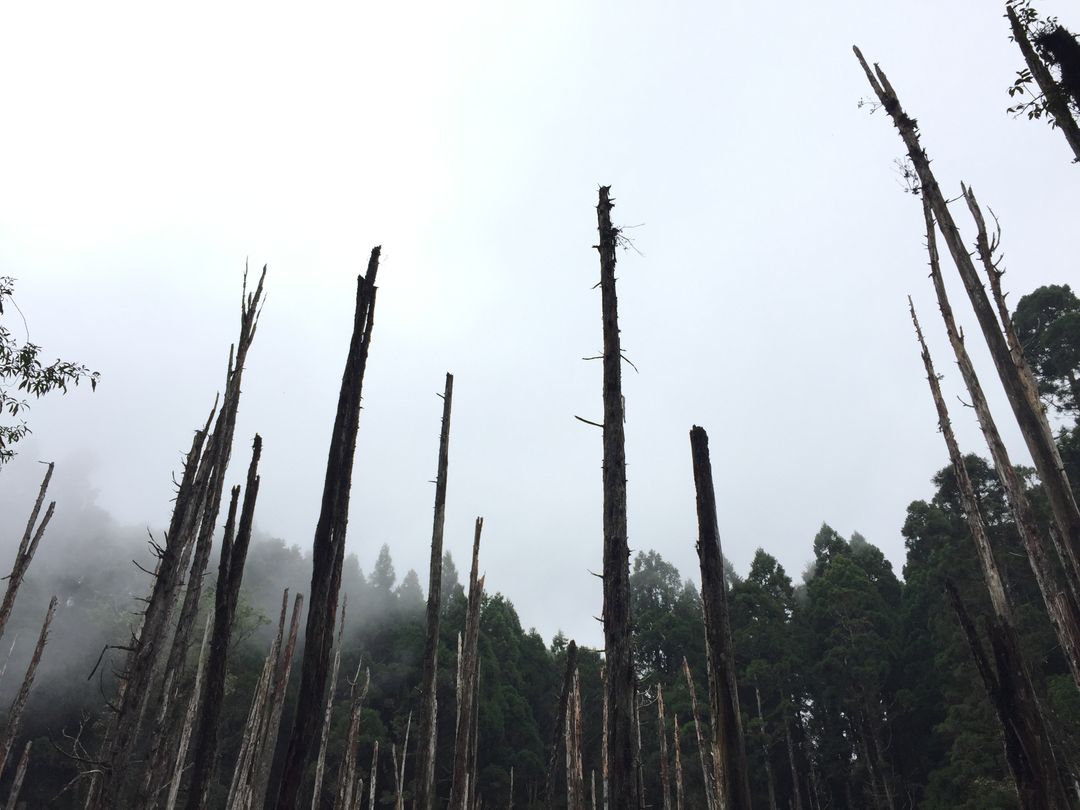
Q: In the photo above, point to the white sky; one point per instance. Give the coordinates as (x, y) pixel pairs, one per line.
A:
(147, 151)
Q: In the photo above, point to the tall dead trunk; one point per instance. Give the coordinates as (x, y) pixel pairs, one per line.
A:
(374, 764)
(14, 715)
(560, 722)
(575, 783)
(189, 724)
(331, 694)
(232, 557)
(1061, 603)
(1035, 769)
(665, 776)
(20, 775)
(708, 774)
(142, 677)
(27, 547)
(1056, 100)
(732, 779)
(764, 736)
(1013, 370)
(349, 784)
(604, 738)
(328, 549)
(621, 684)
(469, 665)
(678, 763)
(426, 729)
(399, 772)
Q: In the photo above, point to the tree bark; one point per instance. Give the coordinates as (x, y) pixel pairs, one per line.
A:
(560, 722)
(349, 784)
(678, 763)
(665, 776)
(328, 550)
(575, 783)
(374, 763)
(621, 684)
(1057, 102)
(427, 727)
(189, 724)
(14, 715)
(732, 779)
(469, 673)
(708, 775)
(20, 775)
(331, 693)
(27, 547)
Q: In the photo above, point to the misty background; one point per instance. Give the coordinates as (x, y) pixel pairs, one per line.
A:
(149, 153)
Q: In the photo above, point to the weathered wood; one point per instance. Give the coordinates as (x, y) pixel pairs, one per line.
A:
(1032, 761)
(560, 722)
(604, 737)
(331, 694)
(18, 705)
(27, 547)
(427, 726)
(678, 763)
(399, 774)
(328, 548)
(575, 783)
(189, 724)
(20, 775)
(374, 764)
(469, 666)
(708, 774)
(661, 728)
(1055, 98)
(733, 783)
(350, 785)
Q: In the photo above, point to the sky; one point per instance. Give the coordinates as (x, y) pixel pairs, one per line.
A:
(149, 152)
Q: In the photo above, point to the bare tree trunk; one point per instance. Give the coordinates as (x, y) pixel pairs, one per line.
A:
(575, 783)
(374, 763)
(732, 779)
(560, 722)
(142, 672)
(331, 693)
(427, 727)
(795, 784)
(20, 774)
(1057, 103)
(765, 750)
(192, 711)
(232, 558)
(399, 775)
(14, 715)
(665, 777)
(1013, 370)
(468, 673)
(678, 764)
(328, 550)
(621, 687)
(604, 739)
(349, 783)
(1035, 770)
(707, 773)
(27, 546)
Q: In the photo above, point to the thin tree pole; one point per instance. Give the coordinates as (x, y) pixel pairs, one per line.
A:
(328, 549)
(621, 684)
(1061, 603)
(575, 783)
(560, 722)
(678, 764)
(27, 547)
(14, 715)
(350, 785)
(604, 739)
(707, 773)
(1057, 103)
(765, 749)
(374, 763)
(795, 784)
(1013, 370)
(20, 774)
(665, 776)
(189, 724)
(732, 779)
(331, 693)
(427, 727)
(399, 775)
(1031, 757)
(468, 680)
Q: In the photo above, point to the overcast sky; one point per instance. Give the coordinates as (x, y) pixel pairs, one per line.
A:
(147, 151)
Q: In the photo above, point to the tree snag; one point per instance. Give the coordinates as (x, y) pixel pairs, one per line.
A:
(560, 722)
(328, 548)
(426, 729)
(665, 777)
(14, 715)
(27, 546)
(732, 780)
(468, 677)
(708, 774)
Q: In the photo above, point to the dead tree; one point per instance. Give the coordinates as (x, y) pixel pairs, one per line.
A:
(621, 686)
(399, 772)
(20, 774)
(1061, 602)
(469, 670)
(665, 776)
(1013, 370)
(27, 546)
(349, 783)
(604, 737)
(678, 763)
(1054, 95)
(331, 693)
(14, 715)
(232, 557)
(732, 779)
(575, 783)
(142, 684)
(560, 722)
(328, 549)
(189, 723)
(1031, 758)
(426, 730)
(374, 764)
(708, 774)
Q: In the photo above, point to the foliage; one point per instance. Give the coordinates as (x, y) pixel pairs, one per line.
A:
(1047, 323)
